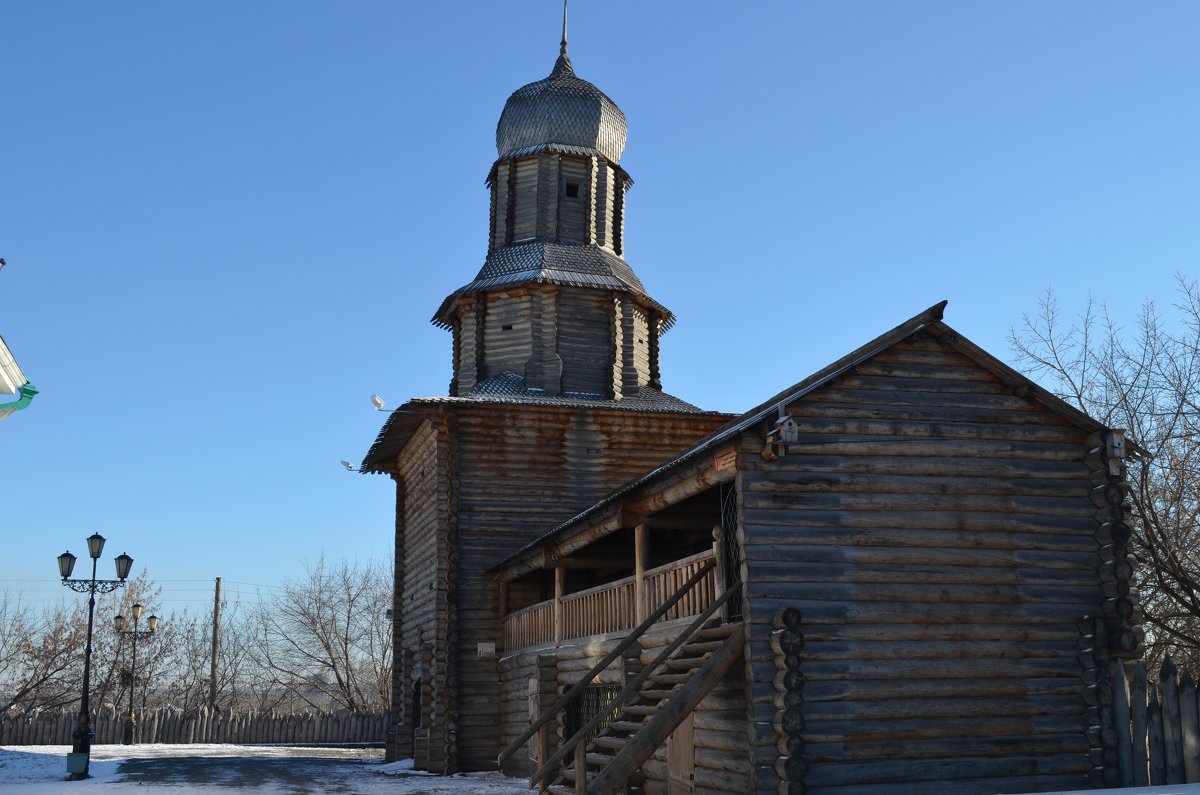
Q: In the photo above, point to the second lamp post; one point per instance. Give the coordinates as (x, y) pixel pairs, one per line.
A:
(135, 633)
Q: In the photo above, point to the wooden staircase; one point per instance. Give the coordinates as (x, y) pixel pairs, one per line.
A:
(650, 706)
(664, 700)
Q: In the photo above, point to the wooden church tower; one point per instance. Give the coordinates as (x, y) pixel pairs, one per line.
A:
(556, 303)
(555, 401)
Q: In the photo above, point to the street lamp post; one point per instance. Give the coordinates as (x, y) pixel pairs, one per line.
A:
(134, 633)
(77, 760)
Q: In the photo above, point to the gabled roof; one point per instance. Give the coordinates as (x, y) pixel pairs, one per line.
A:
(931, 319)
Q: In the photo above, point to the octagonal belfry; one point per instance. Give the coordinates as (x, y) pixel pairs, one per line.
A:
(556, 309)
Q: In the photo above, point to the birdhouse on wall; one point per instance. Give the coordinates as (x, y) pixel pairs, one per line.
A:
(786, 430)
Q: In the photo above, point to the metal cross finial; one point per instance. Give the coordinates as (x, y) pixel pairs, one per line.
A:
(562, 48)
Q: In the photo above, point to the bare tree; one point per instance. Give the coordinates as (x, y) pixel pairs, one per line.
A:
(41, 655)
(187, 687)
(1145, 379)
(322, 641)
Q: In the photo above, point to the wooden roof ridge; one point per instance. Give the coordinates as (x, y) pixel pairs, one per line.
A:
(930, 318)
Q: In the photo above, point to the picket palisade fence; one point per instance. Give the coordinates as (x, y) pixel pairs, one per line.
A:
(1155, 727)
(170, 725)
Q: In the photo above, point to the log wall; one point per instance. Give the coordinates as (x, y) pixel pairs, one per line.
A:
(468, 345)
(933, 532)
(584, 340)
(520, 471)
(603, 198)
(507, 333)
(573, 225)
(421, 620)
(524, 200)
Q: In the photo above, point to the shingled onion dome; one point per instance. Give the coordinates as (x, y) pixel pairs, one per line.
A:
(556, 309)
(561, 113)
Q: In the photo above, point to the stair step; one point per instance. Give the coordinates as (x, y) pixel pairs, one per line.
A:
(626, 726)
(685, 663)
(701, 647)
(718, 631)
(671, 679)
(604, 741)
(656, 694)
(599, 759)
(560, 789)
(640, 709)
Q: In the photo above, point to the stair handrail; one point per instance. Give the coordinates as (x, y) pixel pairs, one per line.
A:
(642, 745)
(632, 687)
(548, 714)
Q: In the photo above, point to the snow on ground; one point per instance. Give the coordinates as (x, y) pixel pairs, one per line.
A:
(255, 770)
(268, 770)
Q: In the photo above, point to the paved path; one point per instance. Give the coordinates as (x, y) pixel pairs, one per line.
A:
(300, 775)
(284, 770)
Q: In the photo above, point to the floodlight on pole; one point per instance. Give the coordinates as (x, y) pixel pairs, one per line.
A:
(378, 403)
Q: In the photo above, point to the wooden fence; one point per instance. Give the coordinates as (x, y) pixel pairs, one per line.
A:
(1156, 737)
(175, 726)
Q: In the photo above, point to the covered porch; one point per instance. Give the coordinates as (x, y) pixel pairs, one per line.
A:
(621, 628)
(618, 570)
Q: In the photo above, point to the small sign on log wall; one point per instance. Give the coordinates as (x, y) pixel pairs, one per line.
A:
(724, 459)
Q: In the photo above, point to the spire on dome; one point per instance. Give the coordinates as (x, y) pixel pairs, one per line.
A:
(562, 48)
(562, 66)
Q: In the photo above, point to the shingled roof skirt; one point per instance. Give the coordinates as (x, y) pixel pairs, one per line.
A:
(549, 262)
(527, 558)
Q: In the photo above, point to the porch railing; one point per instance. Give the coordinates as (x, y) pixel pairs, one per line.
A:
(531, 626)
(605, 608)
(612, 607)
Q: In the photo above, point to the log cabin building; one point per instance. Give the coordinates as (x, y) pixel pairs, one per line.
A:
(905, 574)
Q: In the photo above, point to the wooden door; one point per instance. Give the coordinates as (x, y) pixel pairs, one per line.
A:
(681, 759)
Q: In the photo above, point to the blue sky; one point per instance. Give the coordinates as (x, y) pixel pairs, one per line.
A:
(227, 224)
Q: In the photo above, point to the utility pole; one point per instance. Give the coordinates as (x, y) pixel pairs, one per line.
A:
(216, 644)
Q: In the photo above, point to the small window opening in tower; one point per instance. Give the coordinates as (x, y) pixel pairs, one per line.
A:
(506, 327)
(571, 190)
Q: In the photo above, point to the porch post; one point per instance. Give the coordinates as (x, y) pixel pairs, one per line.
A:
(718, 534)
(560, 587)
(641, 549)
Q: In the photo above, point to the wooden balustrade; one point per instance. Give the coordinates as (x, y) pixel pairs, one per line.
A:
(605, 608)
(530, 626)
(665, 580)
(612, 607)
